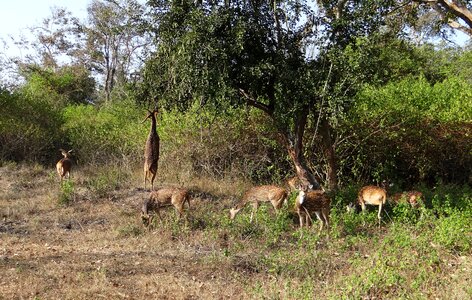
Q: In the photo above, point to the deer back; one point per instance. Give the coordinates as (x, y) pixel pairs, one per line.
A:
(264, 193)
(312, 201)
(373, 195)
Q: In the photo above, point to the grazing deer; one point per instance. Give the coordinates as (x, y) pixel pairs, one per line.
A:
(315, 201)
(411, 197)
(151, 151)
(264, 193)
(162, 198)
(64, 165)
(372, 195)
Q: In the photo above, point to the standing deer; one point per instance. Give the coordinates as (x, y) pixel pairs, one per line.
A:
(151, 151)
(64, 165)
(411, 197)
(309, 202)
(372, 195)
(264, 193)
(162, 198)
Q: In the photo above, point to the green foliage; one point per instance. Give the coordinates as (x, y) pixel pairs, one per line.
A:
(427, 129)
(209, 143)
(29, 127)
(67, 85)
(66, 193)
(105, 181)
(416, 99)
(455, 231)
(107, 133)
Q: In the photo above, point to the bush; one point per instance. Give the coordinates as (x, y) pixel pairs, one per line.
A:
(455, 231)
(29, 128)
(105, 134)
(410, 132)
(66, 193)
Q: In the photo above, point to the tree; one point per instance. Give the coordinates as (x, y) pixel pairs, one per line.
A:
(55, 39)
(434, 17)
(114, 43)
(110, 43)
(257, 53)
(71, 84)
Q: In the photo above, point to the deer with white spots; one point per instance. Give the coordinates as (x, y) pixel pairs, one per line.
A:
(265, 193)
(161, 198)
(312, 201)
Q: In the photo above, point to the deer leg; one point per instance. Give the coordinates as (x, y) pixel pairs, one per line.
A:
(325, 213)
(151, 219)
(379, 215)
(363, 206)
(255, 206)
(301, 217)
(318, 216)
(152, 180)
(158, 213)
(144, 179)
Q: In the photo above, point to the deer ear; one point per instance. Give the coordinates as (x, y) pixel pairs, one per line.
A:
(310, 186)
(70, 151)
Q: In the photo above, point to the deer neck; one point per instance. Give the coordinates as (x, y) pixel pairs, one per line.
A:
(153, 123)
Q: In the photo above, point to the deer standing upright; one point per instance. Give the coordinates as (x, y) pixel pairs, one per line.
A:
(151, 151)
(64, 165)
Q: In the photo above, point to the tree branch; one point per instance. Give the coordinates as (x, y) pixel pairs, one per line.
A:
(254, 103)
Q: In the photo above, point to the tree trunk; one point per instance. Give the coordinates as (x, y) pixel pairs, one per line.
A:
(329, 154)
(292, 142)
(295, 151)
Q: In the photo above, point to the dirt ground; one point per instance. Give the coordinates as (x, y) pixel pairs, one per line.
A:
(87, 250)
(95, 247)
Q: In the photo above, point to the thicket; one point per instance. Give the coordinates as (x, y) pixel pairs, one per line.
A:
(408, 131)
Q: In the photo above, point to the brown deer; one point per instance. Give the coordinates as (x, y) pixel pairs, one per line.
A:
(64, 165)
(372, 195)
(264, 193)
(411, 197)
(151, 151)
(293, 183)
(313, 201)
(163, 198)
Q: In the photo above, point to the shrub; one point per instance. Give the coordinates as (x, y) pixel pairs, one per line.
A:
(66, 193)
(409, 131)
(455, 231)
(109, 133)
(29, 128)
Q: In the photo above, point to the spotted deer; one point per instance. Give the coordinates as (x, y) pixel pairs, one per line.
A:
(163, 198)
(264, 193)
(312, 201)
(372, 195)
(64, 165)
(293, 183)
(411, 197)
(151, 151)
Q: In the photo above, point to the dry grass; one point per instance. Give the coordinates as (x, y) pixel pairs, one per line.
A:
(95, 247)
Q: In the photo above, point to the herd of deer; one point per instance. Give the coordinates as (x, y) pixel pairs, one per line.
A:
(307, 203)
